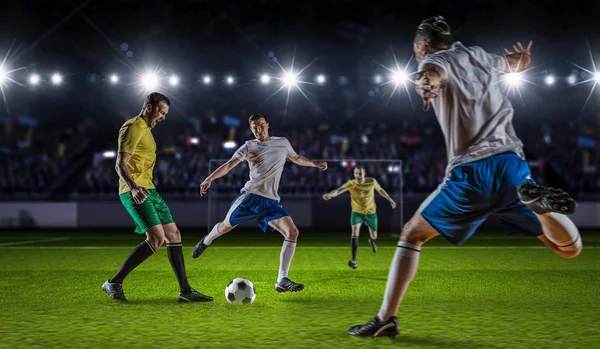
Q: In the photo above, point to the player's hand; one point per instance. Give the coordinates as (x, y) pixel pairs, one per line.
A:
(139, 194)
(520, 49)
(321, 165)
(393, 204)
(204, 187)
(425, 89)
(326, 197)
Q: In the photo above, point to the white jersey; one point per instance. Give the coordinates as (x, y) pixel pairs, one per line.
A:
(266, 161)
(472, 109)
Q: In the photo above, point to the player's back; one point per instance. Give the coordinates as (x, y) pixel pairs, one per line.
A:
(473, 111)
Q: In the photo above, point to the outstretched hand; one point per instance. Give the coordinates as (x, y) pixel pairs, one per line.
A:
(425, 88)
(520, 49)
(321, 165)
(204, 187)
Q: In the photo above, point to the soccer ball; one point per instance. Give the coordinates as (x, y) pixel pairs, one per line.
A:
(240, 291)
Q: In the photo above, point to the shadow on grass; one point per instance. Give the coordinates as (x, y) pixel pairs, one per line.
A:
(441, 342)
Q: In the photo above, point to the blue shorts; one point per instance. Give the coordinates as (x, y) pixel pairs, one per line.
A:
(251, 207)
(474, 191)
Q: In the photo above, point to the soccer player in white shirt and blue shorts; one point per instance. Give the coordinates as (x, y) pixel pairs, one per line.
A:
(486, 173)
(259, 200)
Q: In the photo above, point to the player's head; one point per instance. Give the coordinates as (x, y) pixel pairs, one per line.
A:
(259, 125)
(359, 173)
(156, 107)
(433, 34)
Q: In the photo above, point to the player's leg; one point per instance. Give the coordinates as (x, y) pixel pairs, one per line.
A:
(239, 212)
(147, 222)
(175, 254)
(372, 223)
(403, 269)
(285, 225)
(356, 223)
(551, 207)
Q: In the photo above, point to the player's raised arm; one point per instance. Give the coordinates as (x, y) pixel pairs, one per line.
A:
(302, 161)
(218, 173)
(335, 192)
(383, 193)
(519, 59)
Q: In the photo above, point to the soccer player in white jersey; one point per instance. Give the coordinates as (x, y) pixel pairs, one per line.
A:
(486, 173)
(258, 200)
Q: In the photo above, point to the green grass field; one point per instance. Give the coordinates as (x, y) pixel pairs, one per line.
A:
(494, 292)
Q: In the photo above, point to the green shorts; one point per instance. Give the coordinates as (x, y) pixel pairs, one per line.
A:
(370, 220)
(153, 211)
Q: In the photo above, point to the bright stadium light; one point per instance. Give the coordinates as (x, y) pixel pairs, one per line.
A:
(109, 154)
(572, 79)
(206, 79)
(194, 140)
(174, 80)
(149, 81)
(550, 80)
(597, 77)
(56, 79)
(34, 79)
(229, 80)
(320, 79)
(378, 79)
(229, 145)
(290, 79)
(3, 75)
(265, 79)
(114, 78)
(399, 77)
(513, 79)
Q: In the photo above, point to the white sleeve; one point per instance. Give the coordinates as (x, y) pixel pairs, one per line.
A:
(242, 153)
(435, 59)
(497, 63)
(290, 149)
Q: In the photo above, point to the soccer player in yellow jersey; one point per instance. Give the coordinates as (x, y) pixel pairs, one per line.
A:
(135, 163)
(364, 210)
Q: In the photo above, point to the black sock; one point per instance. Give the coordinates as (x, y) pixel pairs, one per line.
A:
(175, 253)
(354, 248)
(139, 254)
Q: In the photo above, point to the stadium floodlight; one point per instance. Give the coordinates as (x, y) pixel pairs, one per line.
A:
(114, 78)
(206, 79)
(174, 80)
(149, 81)
(229, 80)
(513, 79)
(290, 79)
(265, 79)
(229, 145)
(3, 75)
(399, 77)
(572, 79)
(109, 154)
(194, 140)
(378, 79)
(320, 79)
(34, 79)
(597, 77)
(550, 80)
(56, 79)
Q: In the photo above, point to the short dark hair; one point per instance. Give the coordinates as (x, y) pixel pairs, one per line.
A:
(360, 167)
(436, 32)
(154, 98)
(257, 116)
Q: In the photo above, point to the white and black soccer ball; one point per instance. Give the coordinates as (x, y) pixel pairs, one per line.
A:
(240, 291)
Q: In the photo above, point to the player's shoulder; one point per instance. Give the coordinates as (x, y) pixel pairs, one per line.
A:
(135, 123)
(279, 139)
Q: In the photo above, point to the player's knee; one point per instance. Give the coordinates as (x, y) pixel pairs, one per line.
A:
(571, 251)
(156, 241)
(413, 236)
(174, 236)
(293, 234)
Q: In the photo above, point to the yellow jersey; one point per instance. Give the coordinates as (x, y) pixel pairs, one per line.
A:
(135, 138)
(362, 196)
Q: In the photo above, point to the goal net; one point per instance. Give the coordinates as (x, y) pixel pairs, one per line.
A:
(301, 190)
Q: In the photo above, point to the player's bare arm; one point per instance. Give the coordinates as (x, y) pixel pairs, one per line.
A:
(518, 59)
(302, 161)
(383, 193)
(334, 193)
(218, 173)
(139, 193)
(428, 80)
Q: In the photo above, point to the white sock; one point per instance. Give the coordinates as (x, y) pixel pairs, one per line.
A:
(285, 258)
(561, 231)
(214, 233)
(402, 271)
